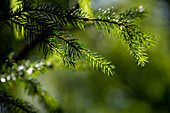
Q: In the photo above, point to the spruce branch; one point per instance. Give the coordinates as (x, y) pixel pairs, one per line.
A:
(75, 50)
(32, 88)
(14, 105)
(123, 24)
(48, 21)
(23, 76)
(47, 24)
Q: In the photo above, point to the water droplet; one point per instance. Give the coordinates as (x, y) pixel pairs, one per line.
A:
(113, 19)
(112, 7)
(29, 71)
(141, 10)
(127, 21)
(13, 78)
(140, 7)
(105, 11)
(108, 18)
(3, 80)
(108, 9)
(48, 64)
(20, 68)
(100, 9)
(20, 72)
(114, 13)
(37, 65)
(41, 63)
(117, 20)
(8, 77)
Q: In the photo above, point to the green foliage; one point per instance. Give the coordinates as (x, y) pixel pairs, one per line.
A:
(47, 25)
(45, 21)
(24, 76)
(99, 62)
(12, 105)
(122, 25)
(32, 88)
(12, 71)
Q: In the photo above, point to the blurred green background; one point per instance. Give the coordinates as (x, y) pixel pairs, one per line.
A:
(132, 89)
